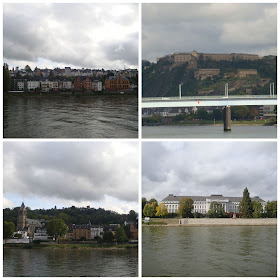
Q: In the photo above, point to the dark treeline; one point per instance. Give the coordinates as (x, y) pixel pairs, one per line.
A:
(73, 215)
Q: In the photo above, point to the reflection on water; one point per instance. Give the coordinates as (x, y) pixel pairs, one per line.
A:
(66, 262)
(208, 131)
(113, 116)
(209, 251)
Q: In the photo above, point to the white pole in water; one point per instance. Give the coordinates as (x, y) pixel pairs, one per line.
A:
(270, 89)
(180, 92)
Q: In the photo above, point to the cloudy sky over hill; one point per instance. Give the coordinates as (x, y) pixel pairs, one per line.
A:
(62, 174)
(217, 28)
(75, 35)
(203, 168)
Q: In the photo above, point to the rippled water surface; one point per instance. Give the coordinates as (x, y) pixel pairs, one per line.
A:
(208, 131)
(114, 116)
(63, 262)
(209, 251)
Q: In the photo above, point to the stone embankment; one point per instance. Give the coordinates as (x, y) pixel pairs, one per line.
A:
(227, 222)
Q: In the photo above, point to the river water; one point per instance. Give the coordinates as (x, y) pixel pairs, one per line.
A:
(111, 116)
(208, 131)
(66, 262)
(209, 251)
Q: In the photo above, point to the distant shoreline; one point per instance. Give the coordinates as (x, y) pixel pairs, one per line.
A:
(71, 246)
(68, 94)
(237, 123)
(196, 222)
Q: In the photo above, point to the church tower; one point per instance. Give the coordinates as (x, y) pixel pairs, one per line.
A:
(21, 218)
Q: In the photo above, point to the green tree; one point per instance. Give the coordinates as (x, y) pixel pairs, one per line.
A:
(146, 210)
(27, 69)
(216, 210)
(271, 209)
(56, 228)
(202, 114)
(150, 209)
(132, 215)
(161, 210)
(6, 79)
(144, 202)
(185, 207)
(127, 231)
(245, 205)
(240, 112)
(257, 209)
(64, 217)
(217, 114)
(120, 235)
(253, 112)
(152, 200)
(9, 229)
(108, 236)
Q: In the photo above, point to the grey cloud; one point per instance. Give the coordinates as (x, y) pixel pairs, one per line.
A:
(126, 52)
(207, 168)
(233, 27)
(71, 171)
(68, 33)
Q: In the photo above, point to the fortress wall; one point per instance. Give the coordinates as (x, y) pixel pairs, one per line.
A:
(189, 56)
(205, 73)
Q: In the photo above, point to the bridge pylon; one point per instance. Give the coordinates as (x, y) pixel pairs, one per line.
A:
(227, 118)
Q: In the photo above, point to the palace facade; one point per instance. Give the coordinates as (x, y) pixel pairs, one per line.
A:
(202, 203)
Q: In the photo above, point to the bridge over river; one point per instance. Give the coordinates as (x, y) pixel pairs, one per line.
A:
(209, 101)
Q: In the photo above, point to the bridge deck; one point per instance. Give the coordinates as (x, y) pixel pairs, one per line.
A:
(208, 101)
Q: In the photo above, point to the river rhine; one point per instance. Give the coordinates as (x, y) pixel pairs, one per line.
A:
(100, 116)
(210, 251)
(208, 131)
(66, 262)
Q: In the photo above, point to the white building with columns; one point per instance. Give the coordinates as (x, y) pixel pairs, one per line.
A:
(202, 204)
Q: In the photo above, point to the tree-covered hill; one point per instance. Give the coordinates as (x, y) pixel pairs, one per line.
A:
(73, 215)
(162, 79)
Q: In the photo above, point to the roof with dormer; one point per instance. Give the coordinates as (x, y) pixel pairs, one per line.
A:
(172, 198)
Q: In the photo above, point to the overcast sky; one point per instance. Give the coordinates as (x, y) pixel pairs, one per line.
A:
(75, 35)
(213, 28)
(203, 168)
(62, 174)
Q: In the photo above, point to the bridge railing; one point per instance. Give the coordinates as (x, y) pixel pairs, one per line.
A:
(209, 97)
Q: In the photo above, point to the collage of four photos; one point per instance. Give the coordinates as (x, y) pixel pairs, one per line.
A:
(139, 140)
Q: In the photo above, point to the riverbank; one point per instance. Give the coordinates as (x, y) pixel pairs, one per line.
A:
(68, 94)
(212, 222)
(264, 122)
(72, 246)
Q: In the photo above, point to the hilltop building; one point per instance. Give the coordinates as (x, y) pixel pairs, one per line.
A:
(192, 57)
(182, 57)
(202, 203)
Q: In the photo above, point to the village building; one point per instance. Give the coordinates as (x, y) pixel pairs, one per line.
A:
(117, 83)
(81, 232)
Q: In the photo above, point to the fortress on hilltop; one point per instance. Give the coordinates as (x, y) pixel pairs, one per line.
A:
(192, 57)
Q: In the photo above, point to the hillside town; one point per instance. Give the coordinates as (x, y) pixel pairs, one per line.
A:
(71, 80)
(41, 230)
